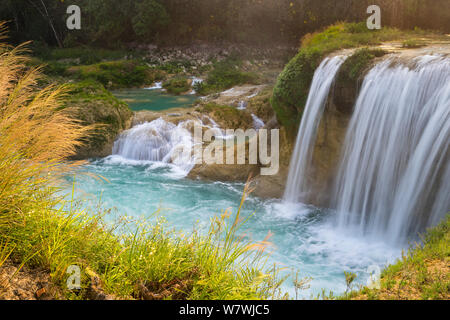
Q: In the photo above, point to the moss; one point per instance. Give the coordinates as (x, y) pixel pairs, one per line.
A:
(91, 103)
(353, 68)
(292, 87)
(177, 85)
(350, 77)
(412, 43)
(117, 74)
(224, 75)
(260, 104)
(227, 116)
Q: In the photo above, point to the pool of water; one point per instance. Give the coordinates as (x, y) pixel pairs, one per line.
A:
(154, 99)
(304, 238)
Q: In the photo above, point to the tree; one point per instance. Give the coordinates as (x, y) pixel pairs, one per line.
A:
(150, 18)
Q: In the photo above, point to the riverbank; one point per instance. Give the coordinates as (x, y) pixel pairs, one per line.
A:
(43, 235)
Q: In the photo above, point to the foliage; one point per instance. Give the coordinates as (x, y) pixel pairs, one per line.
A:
(117, 74)
(292, 87)
(80, 55)
(412, 43)
(177, 85)
(40, 228)
(89, 102)
(224, 75)
(421, 273)
(352, 69)
(151, 17)
(112, 23)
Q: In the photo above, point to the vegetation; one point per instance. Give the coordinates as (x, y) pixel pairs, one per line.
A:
(113, 23)
(422, 273)
(412, 43)
(228, 116)
(41, 229)
(292, 87)
(117, 74)
(224, 75)
(83, 55)
(352, 69)
(91, 104)
(177, 85)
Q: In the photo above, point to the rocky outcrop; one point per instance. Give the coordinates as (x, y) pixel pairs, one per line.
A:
(92, 104)
(334, 123)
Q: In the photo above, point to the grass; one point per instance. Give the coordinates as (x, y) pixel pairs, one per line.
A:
(129, 259)
(421, 274)
(413, 43)
(141, 260)
(224, 75)
(292, 87)
(117, 74)
(177, 85)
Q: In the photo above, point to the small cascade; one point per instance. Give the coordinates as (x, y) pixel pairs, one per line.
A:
(394, 176)
(156, 86)
(324, 76)
(195, 81)
(257, 122)
(158, 141)
(242, 105)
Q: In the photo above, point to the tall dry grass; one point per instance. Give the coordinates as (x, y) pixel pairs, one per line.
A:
(35, 134)
(38, 228)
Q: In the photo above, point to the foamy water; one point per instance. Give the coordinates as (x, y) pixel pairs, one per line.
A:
(303, 238)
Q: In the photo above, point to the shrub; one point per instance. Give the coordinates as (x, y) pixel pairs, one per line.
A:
(357, 63)
(117, 74)
(177, 85)
(224, 75)
(89, 102)
(39, 229)
(292, 87)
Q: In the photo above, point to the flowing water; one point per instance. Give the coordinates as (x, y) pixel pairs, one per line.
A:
(394, 176)
(396, 146)
(304, 240)
(297, 186)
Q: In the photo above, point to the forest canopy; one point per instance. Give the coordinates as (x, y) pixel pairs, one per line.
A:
(112, 23)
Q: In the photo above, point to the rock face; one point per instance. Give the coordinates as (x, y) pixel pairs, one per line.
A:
(273, 186)
(334, 122)
(92, 104)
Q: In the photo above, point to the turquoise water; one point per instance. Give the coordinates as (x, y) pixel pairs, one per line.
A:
(304, 239)
(153, 99)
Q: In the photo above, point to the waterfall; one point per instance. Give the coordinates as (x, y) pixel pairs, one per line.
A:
(258, 123)
(158, 141)
(324, 76)
(394, 176)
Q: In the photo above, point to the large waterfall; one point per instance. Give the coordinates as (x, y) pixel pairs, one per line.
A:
(393, 179)
(324, 76)
(394, 176)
